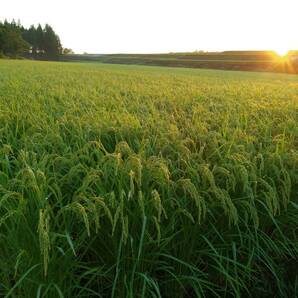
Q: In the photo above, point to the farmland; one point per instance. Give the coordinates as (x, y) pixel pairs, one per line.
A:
(137, 181)
(263, 61)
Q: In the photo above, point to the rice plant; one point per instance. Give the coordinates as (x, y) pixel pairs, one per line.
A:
(129, 181)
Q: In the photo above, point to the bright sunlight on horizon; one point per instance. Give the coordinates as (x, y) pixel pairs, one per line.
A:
(138, 26)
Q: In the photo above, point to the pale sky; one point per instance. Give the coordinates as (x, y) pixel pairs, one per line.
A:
(156, 26)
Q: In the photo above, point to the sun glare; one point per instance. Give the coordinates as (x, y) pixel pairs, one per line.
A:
(282, 52)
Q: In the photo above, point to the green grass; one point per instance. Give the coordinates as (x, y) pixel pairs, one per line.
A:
(129, 181)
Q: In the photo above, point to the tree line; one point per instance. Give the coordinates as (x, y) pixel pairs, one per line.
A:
(35, 42)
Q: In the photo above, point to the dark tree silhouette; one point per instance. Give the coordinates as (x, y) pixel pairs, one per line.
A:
(11, 41)
(35, 42)
(51, 42)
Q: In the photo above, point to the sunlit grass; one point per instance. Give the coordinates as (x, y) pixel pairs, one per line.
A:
(126, 181)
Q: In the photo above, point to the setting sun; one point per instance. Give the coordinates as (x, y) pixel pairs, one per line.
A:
(282, 52)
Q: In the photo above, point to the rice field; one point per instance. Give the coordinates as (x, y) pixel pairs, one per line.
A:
(134, 181)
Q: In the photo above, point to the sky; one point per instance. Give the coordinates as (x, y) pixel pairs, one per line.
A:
(161, 26)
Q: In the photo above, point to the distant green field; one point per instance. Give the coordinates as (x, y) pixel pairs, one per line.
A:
(135, 181)
(264, 61)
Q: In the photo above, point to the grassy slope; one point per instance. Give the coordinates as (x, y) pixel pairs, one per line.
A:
(131, 181)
